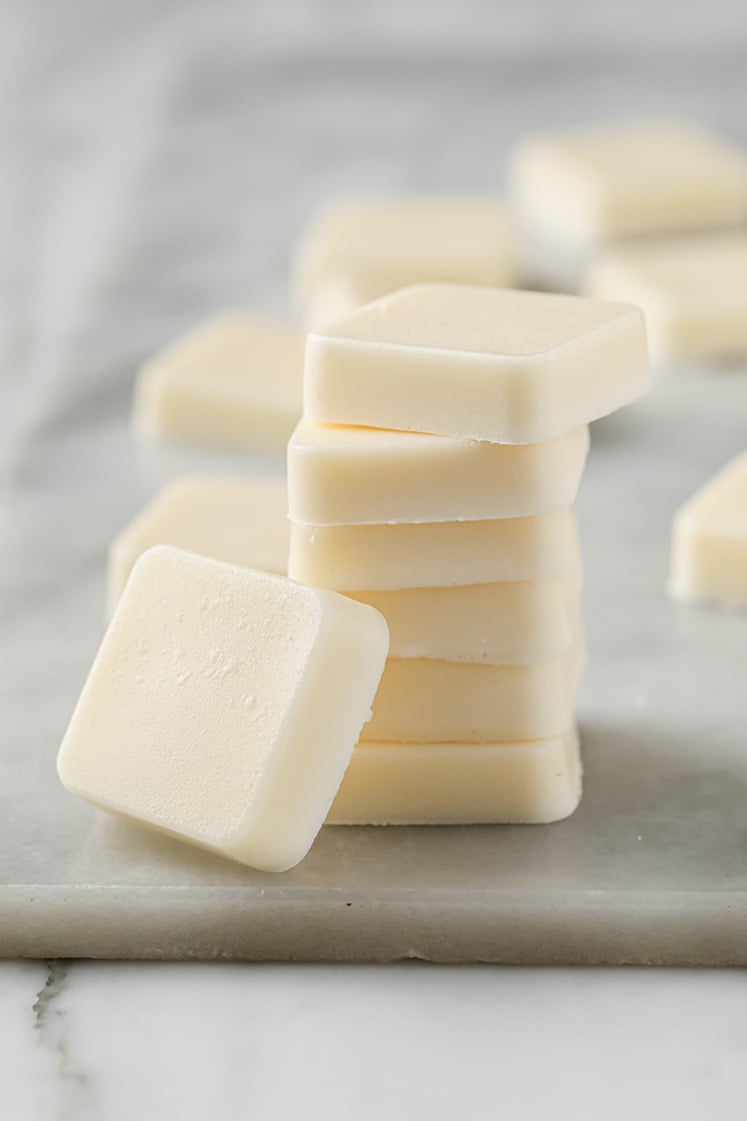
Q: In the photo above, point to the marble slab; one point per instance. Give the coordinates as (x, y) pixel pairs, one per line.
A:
(652, 868)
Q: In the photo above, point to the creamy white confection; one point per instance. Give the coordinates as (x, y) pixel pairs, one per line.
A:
(425, 701)
(234, 381)
(460, 784)
(238, 520)
(517, 621)
(343, 475)
(491, 364)
(581, 186)
(358, 558)
(692, 290)
(356, 250)
(224, 705)
(709, 541)
(333, 298)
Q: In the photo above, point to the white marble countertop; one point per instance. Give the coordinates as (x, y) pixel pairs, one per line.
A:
(112, 1042)
(162, 158)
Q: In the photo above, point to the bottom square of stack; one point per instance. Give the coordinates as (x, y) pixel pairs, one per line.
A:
(524, 783)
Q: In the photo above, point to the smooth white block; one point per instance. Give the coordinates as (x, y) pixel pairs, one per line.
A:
(693, 292)
(492, 364)
(425, 701)
(233, 381)
(241, 521)
(709, 541)
(358, 558)
(516, 621)
(356, 250)
(223, 706)
(340, 475)
(460, 784)
(579, 187)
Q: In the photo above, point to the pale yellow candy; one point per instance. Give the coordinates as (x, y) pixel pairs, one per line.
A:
(356, 250)
(353, 558)
(339, 475)
(601, 183)
(242, 521)
(516, 621)
(425, 701)
(234, 381)
(486, 363)
(709, 541)
(461, 783)
(693, 292)
(224, 705)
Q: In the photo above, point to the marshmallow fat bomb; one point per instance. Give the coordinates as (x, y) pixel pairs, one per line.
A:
(526, 783)
(709, 541)
(356, 250)
(692, 290)
(515, 621)
(359, 558)
(224, 705)
(241, 521)
(341, 475)
(234, 381)
(421, 700)
(575, 189)
(490, 364)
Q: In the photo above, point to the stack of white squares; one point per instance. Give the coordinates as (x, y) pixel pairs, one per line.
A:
(432, 475)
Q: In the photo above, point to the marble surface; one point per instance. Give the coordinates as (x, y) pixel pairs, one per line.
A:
(178, 189)
(97, 1042)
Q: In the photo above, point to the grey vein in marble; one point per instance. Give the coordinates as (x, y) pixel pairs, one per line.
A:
(50, 1024)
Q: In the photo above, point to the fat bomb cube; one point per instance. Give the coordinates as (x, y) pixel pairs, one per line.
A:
(490, 364)
(356, 250)
(234, 381)
(426, 701)
(224, 705)
(339, 475)
(461, 783)
(241, 521)
(513, 621)
(693, 292)
(357, 558)
(573, 189)
(709, 541)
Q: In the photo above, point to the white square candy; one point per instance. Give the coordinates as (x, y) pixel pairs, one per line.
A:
(340, 475)
(356, 250)
(486, 363)
(224, 705)
(575, 189)
(241, 521)
(233, 381)
(460, 783)
(692, 290)
(359, 558)
(709, 541)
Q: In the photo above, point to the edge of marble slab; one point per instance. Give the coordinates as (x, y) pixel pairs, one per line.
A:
(579, 928)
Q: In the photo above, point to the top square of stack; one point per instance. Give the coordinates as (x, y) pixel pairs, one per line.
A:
(492, 364)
